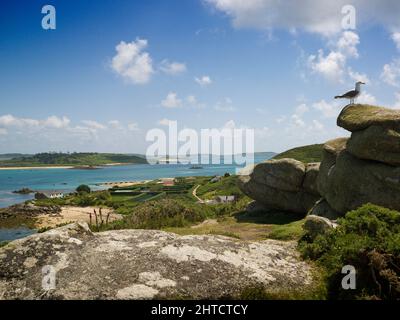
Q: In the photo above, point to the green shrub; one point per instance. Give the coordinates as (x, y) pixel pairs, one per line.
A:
(161, 213)
(83, 188)
(368, 239)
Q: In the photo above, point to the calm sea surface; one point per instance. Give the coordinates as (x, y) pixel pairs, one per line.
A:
(68, 179)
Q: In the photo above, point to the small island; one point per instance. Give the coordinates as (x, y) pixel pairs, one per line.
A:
(84, 161)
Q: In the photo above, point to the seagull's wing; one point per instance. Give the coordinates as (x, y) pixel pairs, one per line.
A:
(350, 94)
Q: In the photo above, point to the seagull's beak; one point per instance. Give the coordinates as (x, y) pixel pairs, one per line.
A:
(362, 82)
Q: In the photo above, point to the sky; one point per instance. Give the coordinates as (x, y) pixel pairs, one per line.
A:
(113, 70)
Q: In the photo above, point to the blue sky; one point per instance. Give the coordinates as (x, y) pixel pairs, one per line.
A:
(205, 63)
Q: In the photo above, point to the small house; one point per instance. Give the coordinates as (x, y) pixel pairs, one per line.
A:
(225, 199)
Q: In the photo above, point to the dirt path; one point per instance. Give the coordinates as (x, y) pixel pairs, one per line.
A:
(195, 194)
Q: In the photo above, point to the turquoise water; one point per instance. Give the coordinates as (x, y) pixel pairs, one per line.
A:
(16, 233)
(68, 179)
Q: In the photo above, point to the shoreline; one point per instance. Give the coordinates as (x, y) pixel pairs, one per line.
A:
(36, 168)
(66, 167)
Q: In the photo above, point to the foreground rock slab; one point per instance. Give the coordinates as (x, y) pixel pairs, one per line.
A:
(144, 264)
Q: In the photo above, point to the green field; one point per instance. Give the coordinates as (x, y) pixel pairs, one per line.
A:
(306, 154)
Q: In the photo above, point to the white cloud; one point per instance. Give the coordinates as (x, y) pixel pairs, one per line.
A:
(171, 101)
(164, 122)
(9, 120)
(225, 106)
(356, 76)
(281, 119)
(328, 110)
(317, 125)
(396, 39)
(94, 125)
(347, 44)
(366, 98)
(51, 122)
(132, 63)
(203, 81)
(333, 65)
(391, 73)
(297, 121)
(56, 122)
(229, 125)
(193, 102)
(315, 16)
(301, 109)
(172, 68)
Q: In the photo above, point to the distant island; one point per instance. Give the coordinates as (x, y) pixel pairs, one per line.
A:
(78, 160)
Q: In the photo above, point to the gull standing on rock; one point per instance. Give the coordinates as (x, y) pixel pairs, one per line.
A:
(353, 94)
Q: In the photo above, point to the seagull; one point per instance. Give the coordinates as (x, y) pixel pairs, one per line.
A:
(353, 94)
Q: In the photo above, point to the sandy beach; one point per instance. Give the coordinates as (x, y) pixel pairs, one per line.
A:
(73, 214)
(121, 184)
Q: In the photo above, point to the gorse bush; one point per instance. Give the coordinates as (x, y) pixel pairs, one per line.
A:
(162, 213)
(368, 239)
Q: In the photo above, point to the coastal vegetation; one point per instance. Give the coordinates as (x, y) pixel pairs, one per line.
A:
(83, 188)
(71, 159)
(306, 154)
(153, 205)
(368, 239)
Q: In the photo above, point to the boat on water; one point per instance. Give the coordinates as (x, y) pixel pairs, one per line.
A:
(196, 167)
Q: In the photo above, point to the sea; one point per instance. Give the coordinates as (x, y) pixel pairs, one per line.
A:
(66, 180)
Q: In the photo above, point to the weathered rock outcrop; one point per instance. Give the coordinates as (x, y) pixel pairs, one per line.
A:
(364, 168)
(144, 264)
(375, 133)
(285, 184)
(28, 210)
(316, 225)
(323, 209)
(355, 117)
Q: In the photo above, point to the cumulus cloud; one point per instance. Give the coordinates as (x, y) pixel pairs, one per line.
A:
(315, 16)
(301, 109)
(356, 76)
(366, 98)
(132, 62)
(203, 81)
(172, 68)
(333, 65)
(396, 39)
(94, 125)
(328, 110)
(171, 101)
(55, 122)
(391, 73)
(194, 103)
(9, 120)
